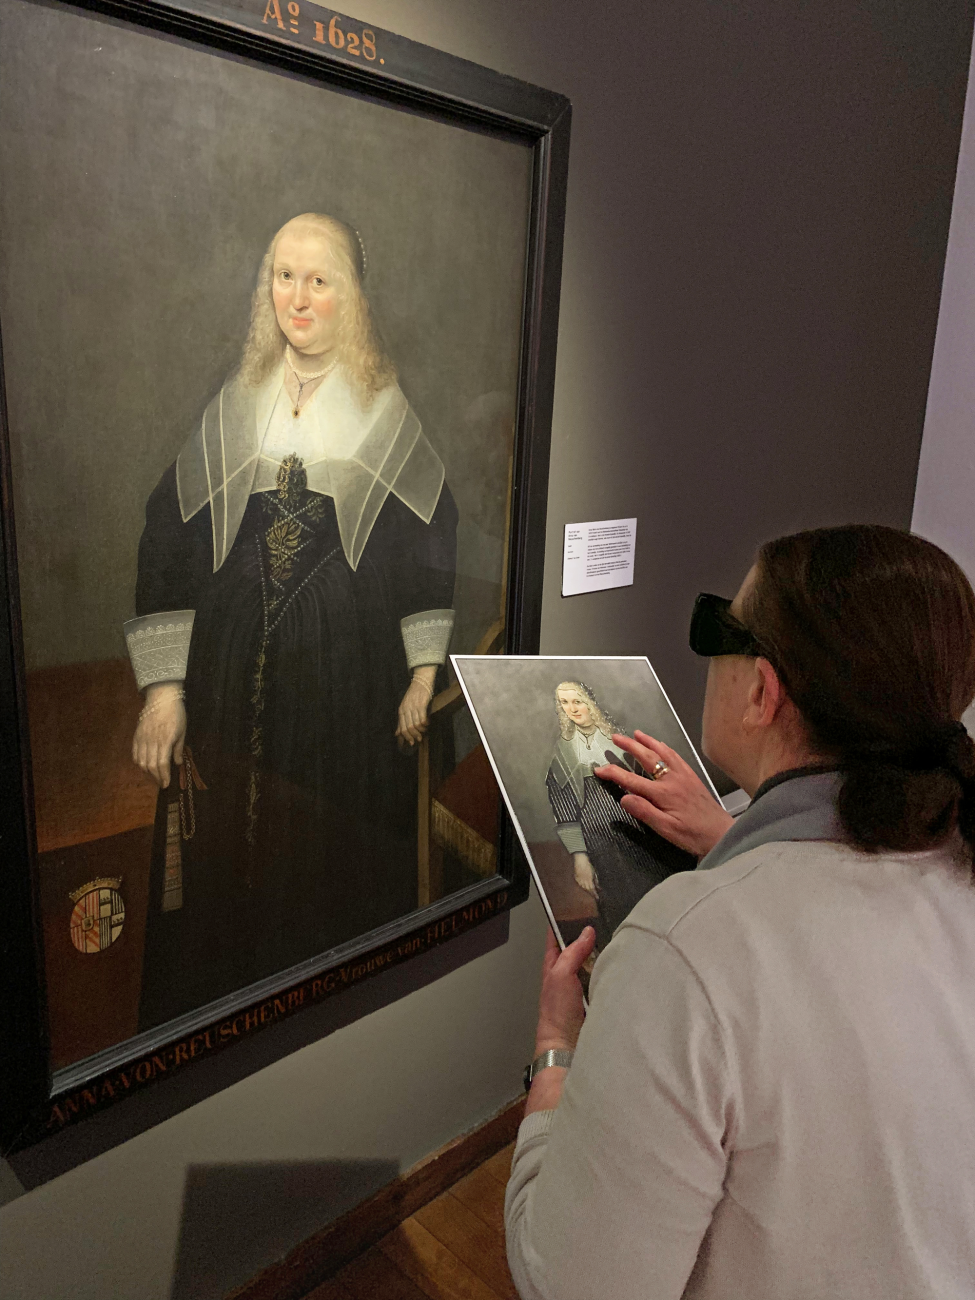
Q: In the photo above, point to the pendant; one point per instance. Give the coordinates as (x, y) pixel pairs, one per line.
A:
(295, 412)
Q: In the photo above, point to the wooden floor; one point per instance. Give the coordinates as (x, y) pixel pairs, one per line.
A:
(452, 1249)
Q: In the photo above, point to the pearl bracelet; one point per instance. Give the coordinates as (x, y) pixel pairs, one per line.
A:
(149, 709)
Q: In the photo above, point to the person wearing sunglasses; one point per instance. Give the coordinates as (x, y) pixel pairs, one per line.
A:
(772, 1094)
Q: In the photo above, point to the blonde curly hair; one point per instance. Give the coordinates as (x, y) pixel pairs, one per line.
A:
(360, 348)
(605, 722)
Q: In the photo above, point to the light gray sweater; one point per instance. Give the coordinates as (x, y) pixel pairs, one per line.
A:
(773, 1096)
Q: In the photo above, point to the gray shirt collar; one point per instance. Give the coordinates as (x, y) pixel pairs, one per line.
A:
(800, 806)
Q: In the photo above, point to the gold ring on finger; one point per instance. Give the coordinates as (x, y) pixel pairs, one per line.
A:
(660, 769)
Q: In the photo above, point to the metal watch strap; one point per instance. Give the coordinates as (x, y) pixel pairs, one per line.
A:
(552, 1057)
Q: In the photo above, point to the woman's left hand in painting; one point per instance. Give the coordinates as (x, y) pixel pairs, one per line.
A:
(159, 737)
(415, 707)
(585, 876)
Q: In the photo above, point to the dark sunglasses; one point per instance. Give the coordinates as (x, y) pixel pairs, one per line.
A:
(715, 630)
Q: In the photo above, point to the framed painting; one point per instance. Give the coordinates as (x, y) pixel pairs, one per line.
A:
(278, 302)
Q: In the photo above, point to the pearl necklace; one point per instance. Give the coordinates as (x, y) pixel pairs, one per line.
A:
(308, 379)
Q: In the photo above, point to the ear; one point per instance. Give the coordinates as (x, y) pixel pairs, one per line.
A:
(766, 697)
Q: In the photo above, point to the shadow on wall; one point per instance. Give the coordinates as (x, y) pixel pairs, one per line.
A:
(238, 1219)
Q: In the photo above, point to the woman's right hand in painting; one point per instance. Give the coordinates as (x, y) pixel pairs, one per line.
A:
(159, 737)
(584, 874)
(677, 805)
(413, 718)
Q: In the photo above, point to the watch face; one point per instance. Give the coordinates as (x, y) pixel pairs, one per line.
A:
(527, 1077)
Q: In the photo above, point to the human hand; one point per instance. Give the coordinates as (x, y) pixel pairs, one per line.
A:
(415, 705)
(584, 874)
(159, 736)
(561, 1010)
(677, 805)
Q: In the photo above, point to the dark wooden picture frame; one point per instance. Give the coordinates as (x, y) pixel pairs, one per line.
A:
(312, 43)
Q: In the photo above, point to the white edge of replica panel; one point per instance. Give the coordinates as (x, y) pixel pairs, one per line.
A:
(457, 660)
(690, 744)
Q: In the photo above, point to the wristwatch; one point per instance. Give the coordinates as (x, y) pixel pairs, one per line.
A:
(551, 1057)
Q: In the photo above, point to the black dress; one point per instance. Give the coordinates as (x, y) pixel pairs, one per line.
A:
(305, 834)
(627, 857)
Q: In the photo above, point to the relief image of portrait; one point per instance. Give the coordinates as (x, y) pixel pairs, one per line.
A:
(615, 858)
(294, 604)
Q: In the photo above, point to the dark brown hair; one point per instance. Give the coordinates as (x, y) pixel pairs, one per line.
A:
(872, 631)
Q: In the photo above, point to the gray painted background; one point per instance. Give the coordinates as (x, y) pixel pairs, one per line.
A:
(136, 205)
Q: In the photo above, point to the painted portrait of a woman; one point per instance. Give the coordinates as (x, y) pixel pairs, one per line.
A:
(294, 605)
(615, 858)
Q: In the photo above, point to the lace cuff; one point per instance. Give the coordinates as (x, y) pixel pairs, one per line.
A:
(426, 636)
(159, 645)
(570, 833)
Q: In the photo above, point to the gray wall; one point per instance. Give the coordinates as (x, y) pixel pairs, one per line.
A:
(944, 503)
(758, 208)
(757, 229)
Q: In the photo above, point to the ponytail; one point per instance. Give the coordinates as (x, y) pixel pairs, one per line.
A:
(872, 632)
(911, 800)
